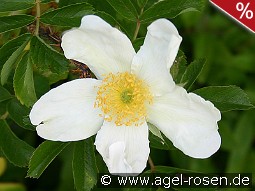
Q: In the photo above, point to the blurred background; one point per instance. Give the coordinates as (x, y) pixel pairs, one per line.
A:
(229, 50)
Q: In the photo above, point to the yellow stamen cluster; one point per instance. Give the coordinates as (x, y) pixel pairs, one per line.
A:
(123, 98)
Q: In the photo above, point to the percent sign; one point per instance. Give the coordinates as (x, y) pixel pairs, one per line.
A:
(248, 13)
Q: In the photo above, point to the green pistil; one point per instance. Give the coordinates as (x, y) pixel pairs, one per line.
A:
(126, 96)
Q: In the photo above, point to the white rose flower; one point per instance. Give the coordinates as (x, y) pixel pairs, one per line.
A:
(131, 89)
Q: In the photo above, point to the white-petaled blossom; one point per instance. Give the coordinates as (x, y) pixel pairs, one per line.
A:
(132, 89)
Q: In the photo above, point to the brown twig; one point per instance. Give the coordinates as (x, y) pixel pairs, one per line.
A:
(151, 165)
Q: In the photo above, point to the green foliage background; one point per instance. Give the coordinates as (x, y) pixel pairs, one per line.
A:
(33, 63)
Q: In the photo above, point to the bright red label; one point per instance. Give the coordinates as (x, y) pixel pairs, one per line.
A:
(241, 10)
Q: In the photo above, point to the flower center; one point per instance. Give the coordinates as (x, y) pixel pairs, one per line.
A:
(123, 98)
(126, 96)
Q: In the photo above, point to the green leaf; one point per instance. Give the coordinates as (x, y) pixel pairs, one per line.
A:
(11, 46)
(46, 1)
(142, 3)
(179, 66)
(244, 138)
(63, 3)
(107, 17)
(138, 43)
(157, 143)
(65, 175)
(67, 16)
(159, 140)
(41, 85)
(125, 8)
(192, 72)
(84, 165)
(12, 187)
(43, 156)
(226, 98)
(47, 61)
(9, 64)
(4, 94)
(16, 151)
(155, 131)
(16, 21)
(3, 110)
(23, 82)
(170, 9)
(19, 113)
(15, 5)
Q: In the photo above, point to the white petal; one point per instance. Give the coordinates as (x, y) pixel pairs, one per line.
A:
(67, 113)
(156, 56)
(100, 46)
(188, 121)
(125, 149)
(117, 162)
